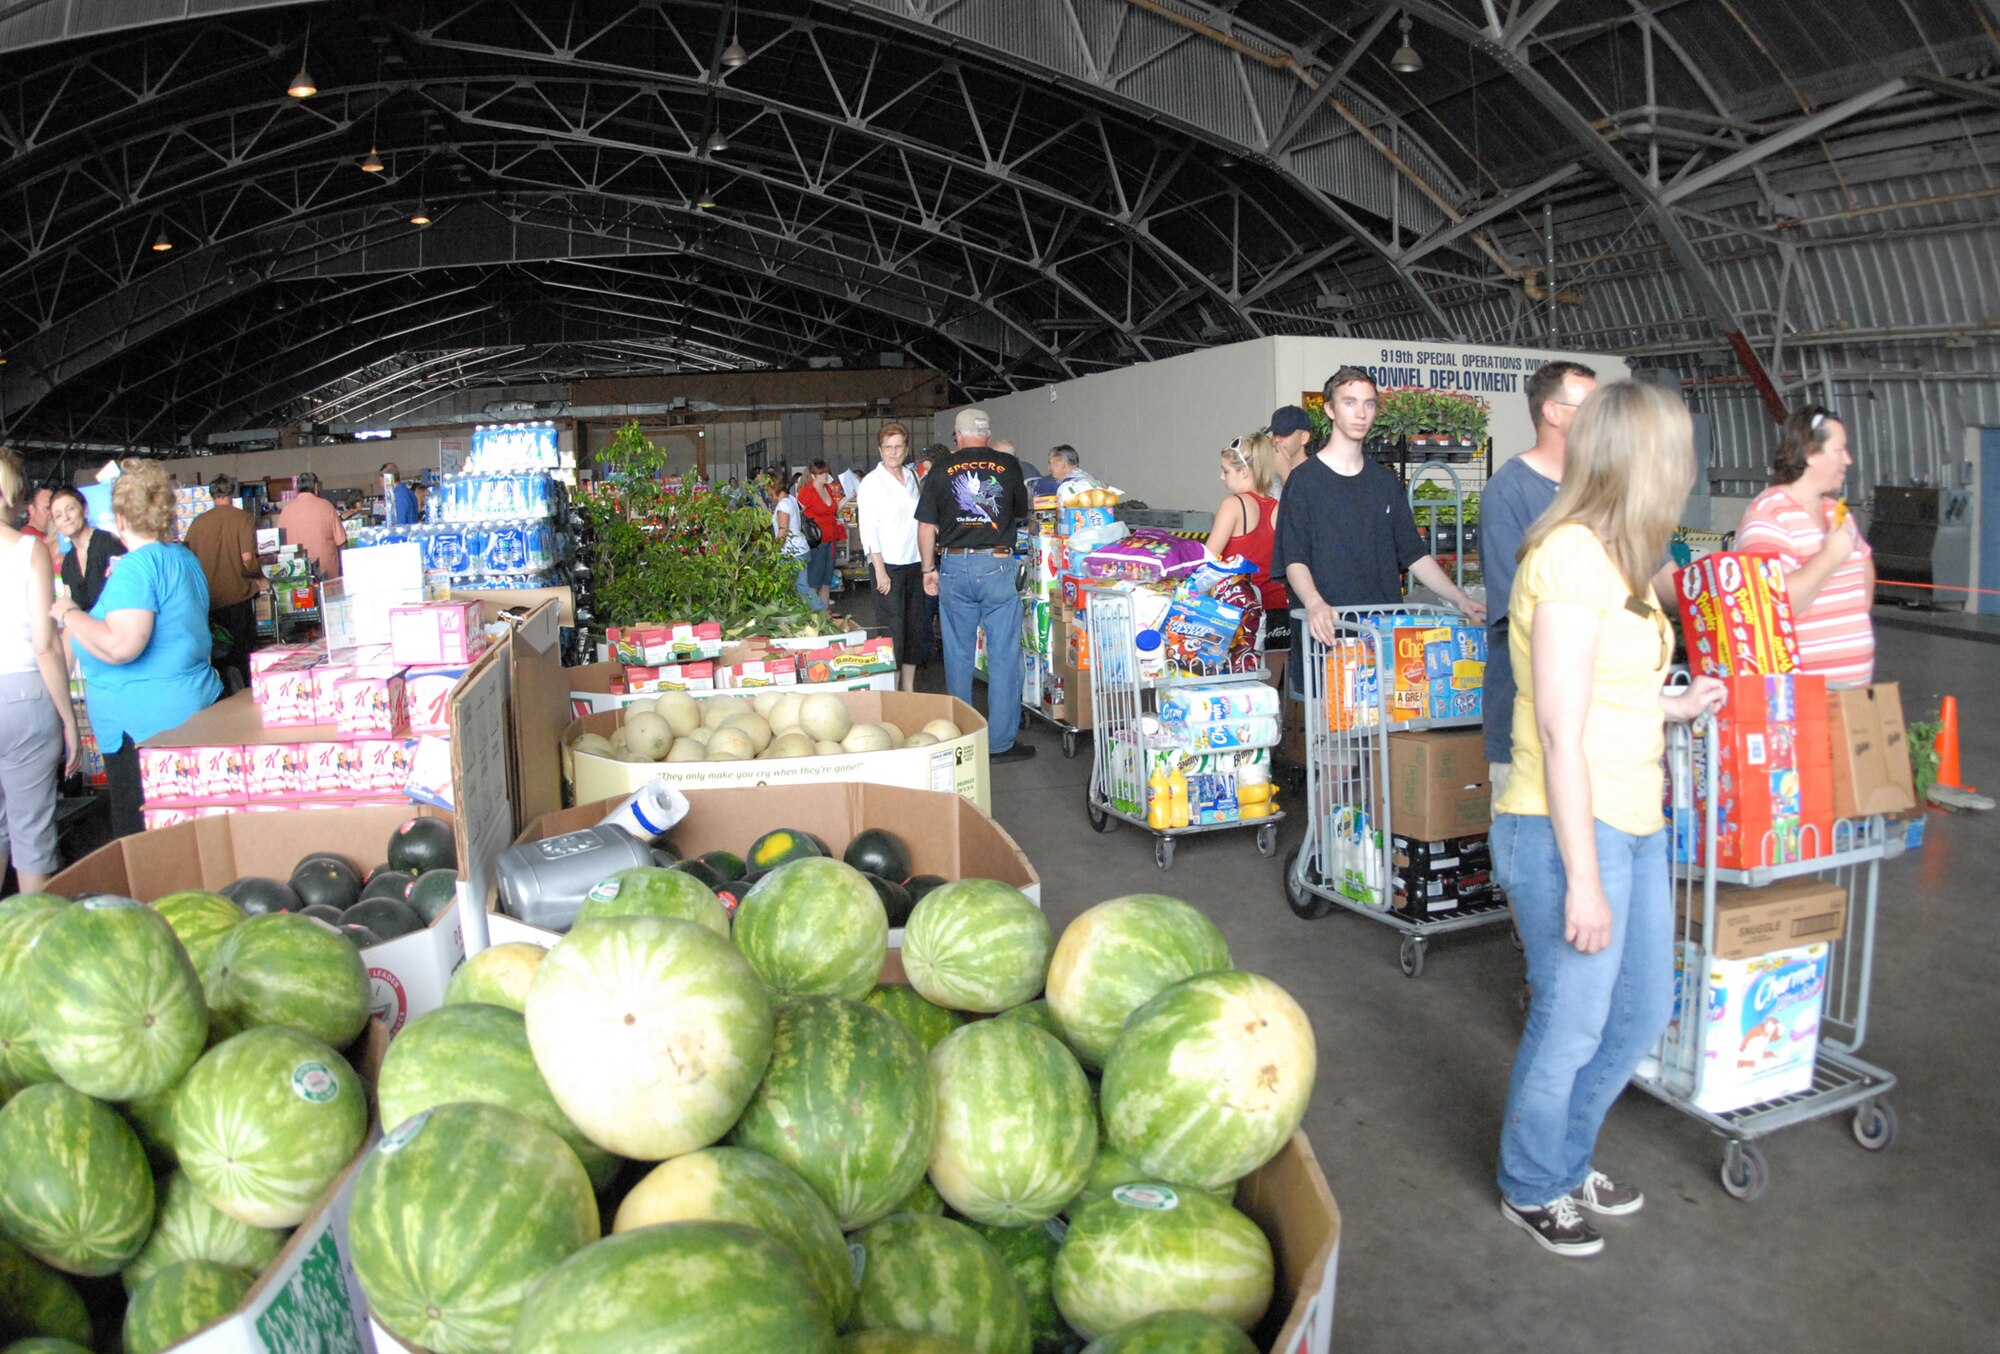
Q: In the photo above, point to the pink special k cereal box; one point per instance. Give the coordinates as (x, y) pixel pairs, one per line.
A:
(262, 660)
(287, 692)
(435, 632)
(218, 772)
(381, 764)
(320, 769)
(168, 775)
(370, 702)
(270, 768)
(427, 697)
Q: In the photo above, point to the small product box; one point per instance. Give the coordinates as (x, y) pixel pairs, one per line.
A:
(272, 655)
(845, 662)
(168, 775)
(1409, 647)
(1069, 521)
(1353, 685)
(654, 646)
(370, 701)
(427, 696)
(1759, 1024)
(287, 691)
(1871, 753)
(1447, 857)
(270, 768)
(1736, 615)
(320, 769)
(755, 663)
(673, 677)
(436, 632)
(379, 764)
(1429, 895)
(218, 772)
(1774, 778)
(1780, 916)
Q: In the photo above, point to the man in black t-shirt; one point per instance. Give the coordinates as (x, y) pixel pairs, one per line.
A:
(973, 505)
(1346, 535)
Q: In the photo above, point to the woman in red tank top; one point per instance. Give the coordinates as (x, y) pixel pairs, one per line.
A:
(1246, 525)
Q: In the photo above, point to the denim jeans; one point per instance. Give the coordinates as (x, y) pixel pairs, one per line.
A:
(1592, 1017)
(805, 588)
(977, 592)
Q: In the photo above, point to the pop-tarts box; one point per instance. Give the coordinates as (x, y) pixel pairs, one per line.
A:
(1760, 1024)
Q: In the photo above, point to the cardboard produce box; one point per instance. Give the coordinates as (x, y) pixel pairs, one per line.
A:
(407, 974)
(596, 687)
(1781, 916)
(1871, 752)
(958, 766)
(1437, 781)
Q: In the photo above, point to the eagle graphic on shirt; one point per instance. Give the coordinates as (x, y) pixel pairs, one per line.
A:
(977, 496)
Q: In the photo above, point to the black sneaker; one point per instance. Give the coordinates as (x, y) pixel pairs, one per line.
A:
(1600, 1194)
(1558, 1226)
(1020, 752)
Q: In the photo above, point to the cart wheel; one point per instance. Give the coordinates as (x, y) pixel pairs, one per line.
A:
(1267, 840)
(1069, 743)
(1100, 821)
(1745, 1175)
(1411, 957)
(1303, 901)
(1163, 853)
(1875, 1125)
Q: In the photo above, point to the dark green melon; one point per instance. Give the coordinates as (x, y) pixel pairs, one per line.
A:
(878, 851)
(256, 894)
(424, 844)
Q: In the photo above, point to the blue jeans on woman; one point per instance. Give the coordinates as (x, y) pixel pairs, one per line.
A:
(977, 592)
(1591, 1017)
(805, 587)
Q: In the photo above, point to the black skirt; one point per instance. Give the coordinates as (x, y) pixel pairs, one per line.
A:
(901, 612)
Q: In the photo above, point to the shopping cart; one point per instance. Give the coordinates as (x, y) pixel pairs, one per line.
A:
(1122, 698)
(1348, 856)
(1841, 1082)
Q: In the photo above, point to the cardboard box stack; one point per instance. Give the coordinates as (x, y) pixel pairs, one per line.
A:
(1436, 877)
(692, 656)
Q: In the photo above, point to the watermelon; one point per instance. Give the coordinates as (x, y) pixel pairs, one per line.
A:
(1117, 956)
(357, 935)
(118, 1007)
(189, 1227)
(37, 1301)
(1030, 1255)
(652, 1032)
(200, 919)
(334, 857)
(898, 1342)
(1015, 1130)
(846, 1103)
(781, 847)
(291, 971)
(325, 912)
(431, 892)
(265, 1121)
(180, 1300)
(814, 928)
(734, 1184)
(895, 898)
(1209, 1079)
(458, 1213)
(879, 852)
(1174, 1333)
(258, 895)
(700, 871)
(922, 1198)
(937, 1276)
(498, 975)
(1152, 1248)
(976, 945)
(19, 902)
(21, 1059)
(386, 917)
(385, 883)
(75, 1190)
(470, 1052)
(921, 884)
(1039, 1014)
(678, 1288)
(326, 882)
(726, 864)
(926, 1021)
(647, 891)
(424, 844)
(1113, 1168)
(45, 1344)
(152, 1118)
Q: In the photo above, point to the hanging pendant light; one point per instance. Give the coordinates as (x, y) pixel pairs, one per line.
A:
(420, 217)
(161, 244)
(302, 86)
(733, 56)
(1406, 61)
(373, 164)
(718, 144)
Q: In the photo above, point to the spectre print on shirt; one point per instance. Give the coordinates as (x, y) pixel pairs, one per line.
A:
(978, 495)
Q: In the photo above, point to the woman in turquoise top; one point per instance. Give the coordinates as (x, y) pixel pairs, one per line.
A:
(145, 647)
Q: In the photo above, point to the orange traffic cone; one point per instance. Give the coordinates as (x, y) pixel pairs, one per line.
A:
(1947, 747)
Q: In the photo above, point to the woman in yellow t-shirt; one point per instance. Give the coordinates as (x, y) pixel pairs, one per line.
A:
(1579, 841)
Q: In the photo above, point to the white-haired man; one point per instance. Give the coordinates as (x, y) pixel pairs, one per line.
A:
(974, 502)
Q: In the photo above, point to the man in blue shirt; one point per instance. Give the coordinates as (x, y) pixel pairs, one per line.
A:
(399, 501)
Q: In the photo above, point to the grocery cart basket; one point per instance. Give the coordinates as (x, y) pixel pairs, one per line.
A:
(1841, 1083)
(1347, 858)
(1123, 701)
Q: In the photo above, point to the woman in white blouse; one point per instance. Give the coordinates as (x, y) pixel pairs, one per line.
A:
(888, 513)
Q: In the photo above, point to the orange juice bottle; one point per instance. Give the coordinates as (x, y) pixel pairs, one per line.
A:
(1179, 813)
(1156, 798)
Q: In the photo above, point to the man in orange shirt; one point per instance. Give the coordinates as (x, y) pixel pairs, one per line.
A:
(310, 521)
(224, 539)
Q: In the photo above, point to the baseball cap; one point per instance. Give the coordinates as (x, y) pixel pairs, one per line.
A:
(1290, 419)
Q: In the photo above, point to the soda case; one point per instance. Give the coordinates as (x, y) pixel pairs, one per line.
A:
(1441, 876)
(1774, 775)
(1735, 615)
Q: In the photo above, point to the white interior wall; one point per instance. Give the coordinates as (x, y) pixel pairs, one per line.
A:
(1156, 429)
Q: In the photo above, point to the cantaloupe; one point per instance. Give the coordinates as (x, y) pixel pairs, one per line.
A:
(825, 718)
(920, 740)
(943, 730)
(687, 750)
(648, 735)
(895, 732)
(645, 705)
(620, 741)
(825, 747)
(793, 744)
(595, 743)
(716, 710)
(681, 711)
(763, 701)
(731, 745)
(753, 724)
(784, 712)
(701, 734)
(866, 738)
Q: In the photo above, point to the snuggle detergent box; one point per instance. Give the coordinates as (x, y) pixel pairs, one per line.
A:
(1759, 1024)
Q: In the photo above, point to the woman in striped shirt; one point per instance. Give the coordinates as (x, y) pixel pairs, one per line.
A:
(1803, 523)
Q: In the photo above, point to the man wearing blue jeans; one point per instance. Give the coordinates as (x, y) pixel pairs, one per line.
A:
(974, 502)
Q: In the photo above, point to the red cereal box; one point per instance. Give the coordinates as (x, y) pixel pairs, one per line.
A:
(1736, 616)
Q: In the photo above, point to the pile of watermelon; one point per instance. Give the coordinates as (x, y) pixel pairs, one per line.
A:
(174, 1098)
(682, 1130)
(408, 891)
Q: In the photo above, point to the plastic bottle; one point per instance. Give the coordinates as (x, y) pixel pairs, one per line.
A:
(1156, 798)
(1152, 656)
(1179, 814)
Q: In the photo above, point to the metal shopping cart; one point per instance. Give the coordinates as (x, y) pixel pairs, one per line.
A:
(1348, 856)
(1841, 1082)
(1122, 697)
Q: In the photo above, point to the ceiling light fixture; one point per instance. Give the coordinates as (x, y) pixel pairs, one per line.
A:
(420, 217)
(373, 164)
(162, 244)
(733, 55)
(718, 144)
(1406, 61)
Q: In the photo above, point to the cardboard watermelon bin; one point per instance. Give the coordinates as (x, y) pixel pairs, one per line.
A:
(946, 834)
(407, 974)
(959, 766)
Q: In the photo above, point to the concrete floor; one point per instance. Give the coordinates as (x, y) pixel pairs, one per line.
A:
(1848, 1249)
